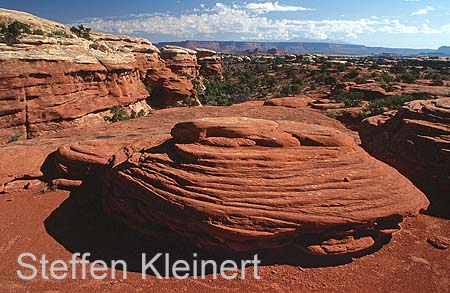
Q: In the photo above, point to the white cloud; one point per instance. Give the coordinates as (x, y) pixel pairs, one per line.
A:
(423, 11)
(237, 23)
(272, 7)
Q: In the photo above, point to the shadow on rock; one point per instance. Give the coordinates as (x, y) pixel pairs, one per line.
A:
(80, 225)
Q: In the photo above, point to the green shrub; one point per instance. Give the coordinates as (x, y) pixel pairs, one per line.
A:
(13, 138)
(330, 80)
(382, 105)
(350, 99)
(148, 87)
(360, 80)
(226, 92)
(409, 77)
(81, 31)
(437, 82)
(118, 114)
(352, 74)
(14, 31)
(59, 34)
(38, 32)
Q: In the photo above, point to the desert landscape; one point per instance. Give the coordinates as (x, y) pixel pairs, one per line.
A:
(315, 171)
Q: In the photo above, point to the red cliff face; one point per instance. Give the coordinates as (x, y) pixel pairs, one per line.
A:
(55, 79)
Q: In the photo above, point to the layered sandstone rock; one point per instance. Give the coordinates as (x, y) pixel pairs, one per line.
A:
(56, 79)
(416, 140)
(70, 156)
(181, 60)
(245, 184)
(369, 91)
(291, 102)
(210, 63)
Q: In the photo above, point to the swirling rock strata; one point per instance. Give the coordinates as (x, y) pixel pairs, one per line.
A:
(245, 184)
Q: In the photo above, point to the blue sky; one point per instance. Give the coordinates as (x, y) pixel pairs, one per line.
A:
(389, 23)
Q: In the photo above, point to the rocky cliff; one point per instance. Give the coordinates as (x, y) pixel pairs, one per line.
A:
(52, 78)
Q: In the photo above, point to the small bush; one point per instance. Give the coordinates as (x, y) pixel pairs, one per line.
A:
(380, 106)
(118, 114)
(38, 32)
(14, 31)
(13, 138)
(148, 87)
(330, 80)
(360, 80)
(409, 77)
(59, 34)
(81, 31)
(352, 74)
(437, 82)
(350, 99)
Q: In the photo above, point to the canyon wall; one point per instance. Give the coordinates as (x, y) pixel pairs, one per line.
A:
(51, 78)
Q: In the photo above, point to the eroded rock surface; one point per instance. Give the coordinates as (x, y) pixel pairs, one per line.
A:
(181, 60)
(416, 140)
(55, 79)
(245, 184)
(210, 63)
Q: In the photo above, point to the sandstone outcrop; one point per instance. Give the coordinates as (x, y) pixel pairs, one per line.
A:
(291, 102)
(245, 184)
(65, 158)
(210, 63)
(54, 79)
(416, 140)
(369, 91)
(181, 60)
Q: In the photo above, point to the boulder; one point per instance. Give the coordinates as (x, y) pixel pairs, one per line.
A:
(291, 102)
(244, 184)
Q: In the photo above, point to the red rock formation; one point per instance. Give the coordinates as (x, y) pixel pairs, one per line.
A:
(23, 160)
(291, 102)
(181, 61)
(416, 140)
(246, 184)
(210, 62)
(59, 80)
(369, 91)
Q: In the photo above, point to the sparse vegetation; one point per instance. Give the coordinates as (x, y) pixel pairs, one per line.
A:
(81, 31)
(118, 114)
(252, 77)
(380, 106)
(12, 33)
(13, 138)
(38, 32)
(350, 99)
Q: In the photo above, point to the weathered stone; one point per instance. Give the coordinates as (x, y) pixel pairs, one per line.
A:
(416, 140)
(246, 184)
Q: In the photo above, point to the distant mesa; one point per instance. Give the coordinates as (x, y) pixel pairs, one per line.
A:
(300, 48)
